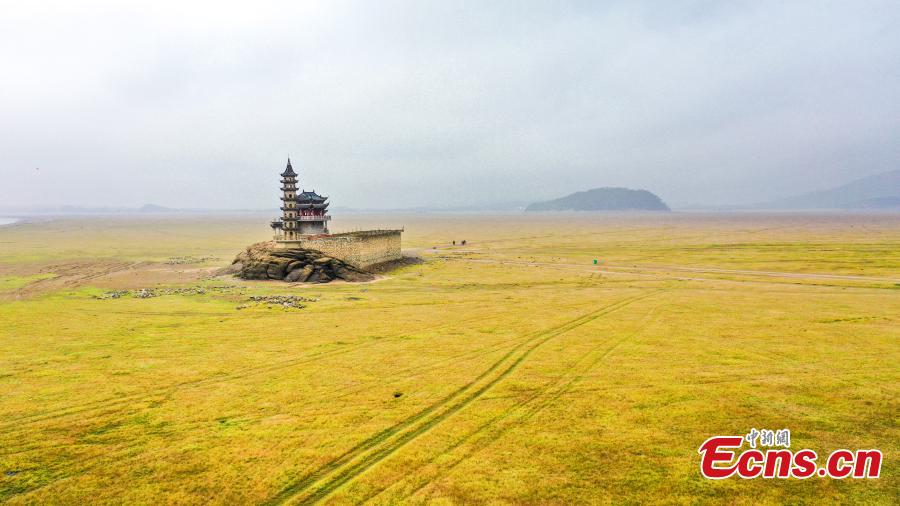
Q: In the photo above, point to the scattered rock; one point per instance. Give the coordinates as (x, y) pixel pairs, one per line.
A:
(146, 293)
(283, 301)
(189, 260)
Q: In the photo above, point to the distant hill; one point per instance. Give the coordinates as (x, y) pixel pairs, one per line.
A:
(877, 203)
(603, 199)
(881, 191)
(153, 208)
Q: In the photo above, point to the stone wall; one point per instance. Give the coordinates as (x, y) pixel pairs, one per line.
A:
(361, 249)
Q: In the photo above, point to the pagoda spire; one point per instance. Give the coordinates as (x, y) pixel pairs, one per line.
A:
(288, 170)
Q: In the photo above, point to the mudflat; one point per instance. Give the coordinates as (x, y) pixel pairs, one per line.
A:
(553, 358)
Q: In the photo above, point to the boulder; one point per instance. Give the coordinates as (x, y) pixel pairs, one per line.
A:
(277, 268)
(254, 270)
(299, 275)
(264, 261)
(352, 276)
(296, 264)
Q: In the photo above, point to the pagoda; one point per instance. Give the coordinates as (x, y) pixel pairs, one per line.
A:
(303, 214)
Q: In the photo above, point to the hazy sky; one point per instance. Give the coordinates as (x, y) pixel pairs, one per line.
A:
(396, 104)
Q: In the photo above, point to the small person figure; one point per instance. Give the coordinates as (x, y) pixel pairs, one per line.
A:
(454, 243)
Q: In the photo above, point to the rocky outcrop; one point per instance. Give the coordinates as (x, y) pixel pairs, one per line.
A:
(264, 261)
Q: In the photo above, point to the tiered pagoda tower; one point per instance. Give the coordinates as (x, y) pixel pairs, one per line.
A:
(303, 214)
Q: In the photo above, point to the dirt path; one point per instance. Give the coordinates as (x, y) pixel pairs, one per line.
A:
(113, 274)
(741, 272)
(661, 269)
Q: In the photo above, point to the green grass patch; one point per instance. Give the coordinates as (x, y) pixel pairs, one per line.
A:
(10, 283)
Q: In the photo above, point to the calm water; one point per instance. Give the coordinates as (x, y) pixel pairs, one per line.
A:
(7, 221)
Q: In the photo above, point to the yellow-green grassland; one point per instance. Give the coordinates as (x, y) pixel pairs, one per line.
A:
(510, 370)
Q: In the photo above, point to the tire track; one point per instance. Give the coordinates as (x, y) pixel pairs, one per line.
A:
(409, 372)
(520, 412)
(91, 462)
(113, 403)
(380, 446)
